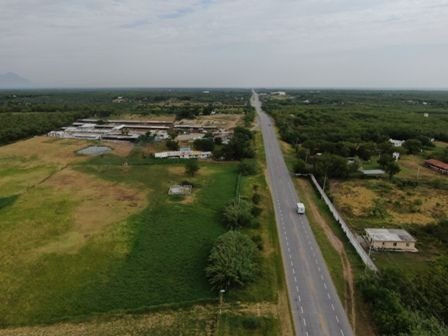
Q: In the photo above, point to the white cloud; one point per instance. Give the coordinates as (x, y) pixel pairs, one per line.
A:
(225, 42)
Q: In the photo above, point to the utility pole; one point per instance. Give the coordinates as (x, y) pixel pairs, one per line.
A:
(221, 299)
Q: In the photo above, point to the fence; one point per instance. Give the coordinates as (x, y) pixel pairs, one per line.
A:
(361, 252)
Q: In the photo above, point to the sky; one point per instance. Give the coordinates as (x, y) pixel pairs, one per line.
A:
(226, 43)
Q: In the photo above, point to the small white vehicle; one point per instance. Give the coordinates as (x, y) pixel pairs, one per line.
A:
(300, 208)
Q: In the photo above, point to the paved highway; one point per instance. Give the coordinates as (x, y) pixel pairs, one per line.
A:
(315, 305)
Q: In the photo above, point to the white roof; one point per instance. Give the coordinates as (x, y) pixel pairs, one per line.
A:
(392, 235)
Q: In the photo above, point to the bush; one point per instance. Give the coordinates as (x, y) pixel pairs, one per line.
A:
(256, 211)
(205, 144)
(237, 214)
(247, 167)
(233, 261)
(256, 198)
(191, 167)
(172, 145)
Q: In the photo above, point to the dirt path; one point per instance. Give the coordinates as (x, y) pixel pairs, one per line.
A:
(349, 297)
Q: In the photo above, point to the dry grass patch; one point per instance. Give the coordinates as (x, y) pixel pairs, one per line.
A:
(198, 320)
(46, 150)
(121, 148)
(98, 204)
(353, 196)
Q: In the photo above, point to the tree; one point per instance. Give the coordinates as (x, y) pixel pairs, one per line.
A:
(238, 214)
(191, 167)
(385, 160)
(392, 168)
(365, 151)
(172, 145)
(233, 261)
(204, 144)
(240, 147)
(300, 167)
(413, 146)
(247, 167)
(331, 165)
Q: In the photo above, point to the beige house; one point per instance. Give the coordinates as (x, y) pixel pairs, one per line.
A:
(390, 240)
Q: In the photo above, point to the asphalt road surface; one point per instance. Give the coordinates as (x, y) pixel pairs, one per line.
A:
(315, 305)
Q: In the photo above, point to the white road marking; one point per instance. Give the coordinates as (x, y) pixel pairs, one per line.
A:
(300, 299)
(342, 333)
(297, 289)
(304, 321)
(301, 309)
(332, 306)
(337, 319)
(295, 279)
(293, 271)
(328, 295)
(325, 285)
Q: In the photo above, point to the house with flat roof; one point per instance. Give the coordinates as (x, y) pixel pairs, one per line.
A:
(390, 240)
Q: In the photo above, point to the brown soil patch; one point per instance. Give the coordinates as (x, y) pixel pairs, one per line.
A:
(120, 148)
(99, 204)
(336, 243)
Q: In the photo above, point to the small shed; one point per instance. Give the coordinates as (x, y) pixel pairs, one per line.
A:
(180, 189)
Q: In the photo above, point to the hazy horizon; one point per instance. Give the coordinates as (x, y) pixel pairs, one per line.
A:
(309, 44)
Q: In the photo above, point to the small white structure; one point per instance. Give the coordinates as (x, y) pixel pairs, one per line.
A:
(397, 143)
(300, 208)
(396, 155)
(180, 190)
(390, 239)
(426, 115)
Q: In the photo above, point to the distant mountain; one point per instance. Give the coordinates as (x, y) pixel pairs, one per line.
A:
(11, 80)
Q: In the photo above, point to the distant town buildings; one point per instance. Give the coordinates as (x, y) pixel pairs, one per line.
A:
(390, 240)
(278, 93)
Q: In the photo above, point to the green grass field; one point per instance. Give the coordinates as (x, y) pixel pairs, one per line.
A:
(155, 256)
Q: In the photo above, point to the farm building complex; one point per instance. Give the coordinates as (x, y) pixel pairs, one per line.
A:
(391, 240)
(131, 130)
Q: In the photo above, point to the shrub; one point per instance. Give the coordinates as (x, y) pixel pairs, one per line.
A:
(238, 213)
(247, 167)
(191, 167)
(233, 261)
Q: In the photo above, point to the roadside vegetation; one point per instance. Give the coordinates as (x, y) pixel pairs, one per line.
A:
(333, 134)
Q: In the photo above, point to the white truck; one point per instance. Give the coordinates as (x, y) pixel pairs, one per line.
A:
(300, 208)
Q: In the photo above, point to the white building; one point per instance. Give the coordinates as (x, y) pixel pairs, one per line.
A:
(397, 143)
(390, 239)
(396, 155)
(183, 153)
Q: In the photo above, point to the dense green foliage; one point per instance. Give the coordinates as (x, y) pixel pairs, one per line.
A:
(247, 167)
(15, 126)
(237, 214)
(239, 147)
(408, 305)
(233, 261)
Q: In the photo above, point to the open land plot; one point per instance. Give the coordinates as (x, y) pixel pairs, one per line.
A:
(89, 238)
